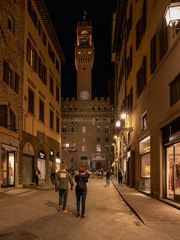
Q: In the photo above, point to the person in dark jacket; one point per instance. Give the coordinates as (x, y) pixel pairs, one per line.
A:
(108, 175)
(37, 174)
(120, 176)
(81, 191)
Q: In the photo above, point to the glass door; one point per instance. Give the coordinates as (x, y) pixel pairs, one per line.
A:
(7, 168)
(11, 170)
(173, 172)
(177, 172)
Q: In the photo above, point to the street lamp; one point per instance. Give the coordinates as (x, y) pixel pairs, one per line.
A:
(118, 126)
(172, 15)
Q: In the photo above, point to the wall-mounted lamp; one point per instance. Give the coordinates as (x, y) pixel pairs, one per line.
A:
(118, 126)
(172, 15)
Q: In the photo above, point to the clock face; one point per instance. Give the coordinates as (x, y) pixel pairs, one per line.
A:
(84, 95)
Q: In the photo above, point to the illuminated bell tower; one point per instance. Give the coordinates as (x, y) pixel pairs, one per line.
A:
(84, 58)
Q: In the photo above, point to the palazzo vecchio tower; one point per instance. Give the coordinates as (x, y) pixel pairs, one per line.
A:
(87, 123)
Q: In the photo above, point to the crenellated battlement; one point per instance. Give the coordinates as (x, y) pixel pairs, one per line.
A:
(96, 99)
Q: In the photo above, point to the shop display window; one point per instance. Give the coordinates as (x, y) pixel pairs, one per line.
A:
(7, 168)
(173, 172)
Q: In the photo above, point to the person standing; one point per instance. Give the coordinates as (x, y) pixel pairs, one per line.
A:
(37, 174)
(120, 176)
(81, 191)
(53, 178)
(63, 177)
(108, 175)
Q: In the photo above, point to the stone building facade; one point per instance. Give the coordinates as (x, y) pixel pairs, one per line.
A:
(87, 123)
(30, 93)
(147, 84)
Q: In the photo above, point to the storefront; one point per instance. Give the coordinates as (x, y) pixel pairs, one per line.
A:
(173, 171)
(145, 164)
(171, 160)
(8, 156)
(41, 164)
(28, 163)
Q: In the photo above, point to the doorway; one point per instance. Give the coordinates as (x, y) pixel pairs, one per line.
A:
(7, 168)
(173, 172)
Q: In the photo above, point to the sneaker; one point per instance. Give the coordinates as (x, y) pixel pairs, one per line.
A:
(83, 216)
(64, 211)
(78, 214)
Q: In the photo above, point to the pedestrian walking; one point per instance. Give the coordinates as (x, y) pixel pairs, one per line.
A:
(81, 191)
(37, 175)
(108, 175)
(63, 178)
(120, 176)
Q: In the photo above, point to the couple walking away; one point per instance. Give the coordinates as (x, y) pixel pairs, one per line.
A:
(63, 177)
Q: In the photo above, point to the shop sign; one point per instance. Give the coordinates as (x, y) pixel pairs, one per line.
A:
(9, 148)
(58, 160)
(42, 155)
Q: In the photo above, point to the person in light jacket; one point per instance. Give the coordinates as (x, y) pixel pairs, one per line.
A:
(63, 178)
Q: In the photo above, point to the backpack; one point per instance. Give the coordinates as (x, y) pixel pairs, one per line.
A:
(81, 186)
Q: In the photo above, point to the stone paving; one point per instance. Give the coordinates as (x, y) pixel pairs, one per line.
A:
(33, 215)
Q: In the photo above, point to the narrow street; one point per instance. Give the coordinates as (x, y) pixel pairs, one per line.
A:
(33, 215)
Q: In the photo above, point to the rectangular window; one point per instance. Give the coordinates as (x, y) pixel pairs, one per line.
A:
(12, 121)
(141, 78)
(51, 119)
(51, 83)
(10, 77)
(40, 137)
(174, 88)
(6, 72)
(98, 129)
(51, 53)
(57, 124)
(44, 38)
(30, 101)
(32, 13)
(57, 93)
(42, 71)
(144, 121)
(16, 83)
(153, 54)
(3, 116)
(163, 40)
(57, 65)
(41, 110)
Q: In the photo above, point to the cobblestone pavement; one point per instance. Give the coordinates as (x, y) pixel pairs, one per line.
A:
(33, 215)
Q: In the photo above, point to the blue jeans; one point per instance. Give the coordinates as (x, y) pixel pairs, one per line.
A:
(63, 194)
(81, 199)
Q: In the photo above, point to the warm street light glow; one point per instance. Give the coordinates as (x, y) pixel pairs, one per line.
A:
(172, 14)
(67, 145)
(123, 115)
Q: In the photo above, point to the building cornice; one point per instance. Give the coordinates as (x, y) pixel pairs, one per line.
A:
(49, 27)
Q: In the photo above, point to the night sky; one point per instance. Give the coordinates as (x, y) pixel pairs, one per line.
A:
(64, 19)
